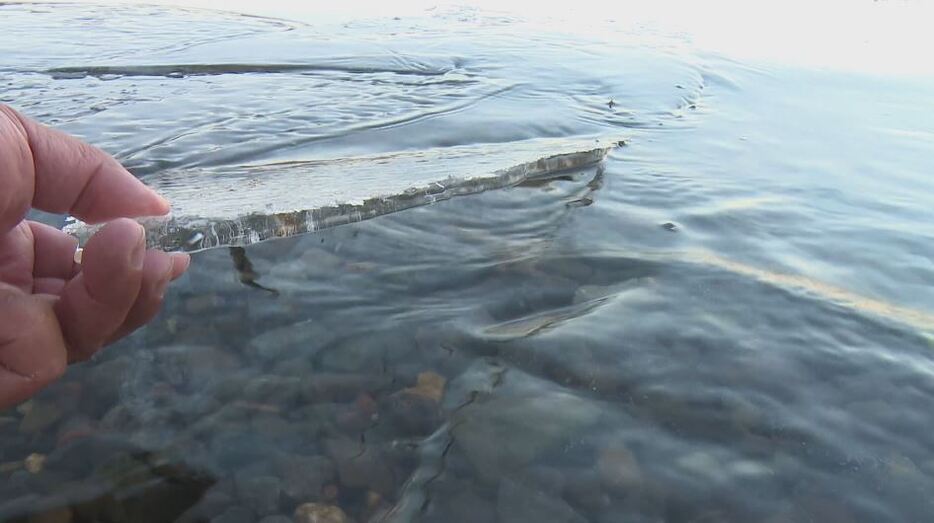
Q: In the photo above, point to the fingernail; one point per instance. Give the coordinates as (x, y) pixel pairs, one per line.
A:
(165, 204)
(138, 254)
(180, 262)
(163, 284)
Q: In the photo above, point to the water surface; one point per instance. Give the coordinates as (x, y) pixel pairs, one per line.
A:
(728, 319)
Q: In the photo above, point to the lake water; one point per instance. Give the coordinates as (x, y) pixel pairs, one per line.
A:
(729, 319)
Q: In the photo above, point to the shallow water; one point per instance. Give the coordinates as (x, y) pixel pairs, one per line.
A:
(729, 319)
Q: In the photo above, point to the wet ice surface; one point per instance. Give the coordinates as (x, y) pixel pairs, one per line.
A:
(727, 320)
(250, 204)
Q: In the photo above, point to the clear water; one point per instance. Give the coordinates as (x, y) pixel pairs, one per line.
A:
(729, 319)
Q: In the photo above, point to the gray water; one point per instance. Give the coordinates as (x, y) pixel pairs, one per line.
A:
(728, 319)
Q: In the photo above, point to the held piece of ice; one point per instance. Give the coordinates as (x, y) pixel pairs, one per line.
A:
(217, 207)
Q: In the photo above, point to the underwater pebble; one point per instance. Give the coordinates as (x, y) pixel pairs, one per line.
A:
(235, 515)
(813, 507)
(703, 464)
(462, 506)
(584, 490)
(506, 433)
(898, 466)
(67, 395)
(745, 415)
(213, 503)
(360, 466)
(318, 513)
(750, 469)
(271, 389)
(330, 492)
(278, 518)
(618, 468)
(373, 499)
(74, 427)
(780, 518)
(302, 338)
(353, 421)
(7, 422)
(10, 466)
(545, 478)
(340, 387)
(40, 416)
(429, 385)
(34, 463)
(516, 502)
(202, 303)
(304, 477)
(260, 493)
(59, 515)
(411, 414)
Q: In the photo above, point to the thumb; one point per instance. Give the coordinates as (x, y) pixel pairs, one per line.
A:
(96, 302)
(32, 350)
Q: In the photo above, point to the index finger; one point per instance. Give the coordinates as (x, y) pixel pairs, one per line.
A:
(58, 173)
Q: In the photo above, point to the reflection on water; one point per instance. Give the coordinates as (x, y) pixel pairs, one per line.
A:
(727, 320)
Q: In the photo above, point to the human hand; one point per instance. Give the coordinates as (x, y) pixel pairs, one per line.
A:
(53, 310)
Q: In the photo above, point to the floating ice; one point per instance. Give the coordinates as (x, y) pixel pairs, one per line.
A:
(254, 203)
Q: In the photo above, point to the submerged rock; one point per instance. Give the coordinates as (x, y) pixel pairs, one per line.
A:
(213, 503)
(58, 515)
(585, 491)
(278, 518)
(40, 416)
(360, 466)
(86, 454)
(517, 502)
(411, 414)
(365, 352)
(304, 337)
(541, 477)
(7, 422)
(320, 513)
(235, 447)
(235, 515)
(75, 427)
(618, 468)
(506, 433)
(34, 463)
(361, 414)
(324, 387)
(304, 477)
(108, 376)
(260, 493)
(430, 385)
(462, 506)
(271, 389)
